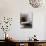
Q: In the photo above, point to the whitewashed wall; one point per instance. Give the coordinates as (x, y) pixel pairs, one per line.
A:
(13, 8)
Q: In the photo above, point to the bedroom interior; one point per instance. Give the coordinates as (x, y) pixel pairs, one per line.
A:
(22, 22)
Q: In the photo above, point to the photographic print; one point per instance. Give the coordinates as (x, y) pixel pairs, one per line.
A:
(26, 20)
(35, 3)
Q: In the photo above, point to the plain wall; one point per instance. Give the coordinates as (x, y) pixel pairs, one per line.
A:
(13, 8)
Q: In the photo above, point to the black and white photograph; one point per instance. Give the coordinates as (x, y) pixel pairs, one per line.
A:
(26, 20)
(22, 22)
